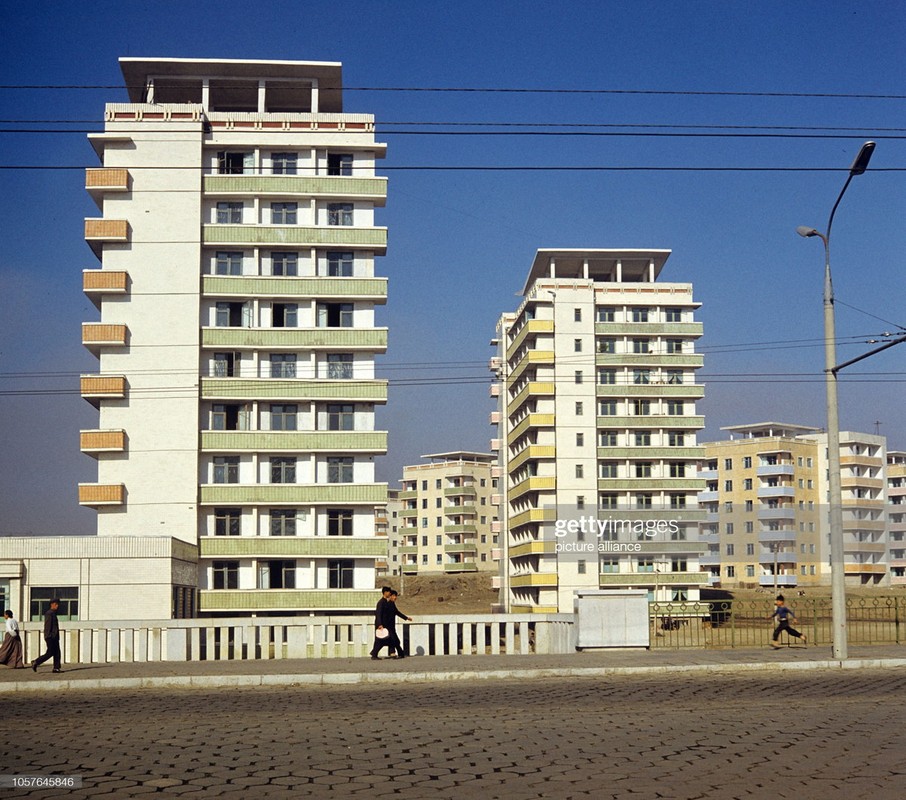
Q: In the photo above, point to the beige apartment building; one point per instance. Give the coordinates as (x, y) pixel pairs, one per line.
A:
(236, 289)
(896, 515)
(597, 423)
(447, 516)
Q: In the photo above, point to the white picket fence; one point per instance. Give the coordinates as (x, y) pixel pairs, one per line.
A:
(301, 637)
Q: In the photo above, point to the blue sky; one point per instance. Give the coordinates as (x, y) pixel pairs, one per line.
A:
(461, 241)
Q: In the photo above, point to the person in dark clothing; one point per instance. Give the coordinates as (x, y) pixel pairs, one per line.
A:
(784, 615)
(51, 637)
(380, 639)
(386, 614)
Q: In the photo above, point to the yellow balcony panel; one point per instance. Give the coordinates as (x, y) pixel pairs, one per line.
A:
(531, 329)
(864, 547)
(102, 387)
(862, 461)
(340, 339)
(96, 283)
(528, 422)
(296, 600)
(688, 360)
(101, 231)
(639, 579)
(237, 494)
(532, 358)
(305, 236)
(101, 180)
(683, 330)
(290, 547)
(650, 453)
(96, 495)
(374, 189)
(295, 441)
(534, 579)
(461, 491)
(112, 441)
(532, 485)
(374, 289)
(532, 516)
(532, 453)
(96, 335)
(651, 421)
(864, 569)
(861, 483)
(656, 388)
(531, 549)
(530, 391)
(462, 566)
(293, 389)
(866, 525)
(691, 485)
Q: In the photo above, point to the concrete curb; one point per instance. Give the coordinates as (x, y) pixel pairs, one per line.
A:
(427, 676)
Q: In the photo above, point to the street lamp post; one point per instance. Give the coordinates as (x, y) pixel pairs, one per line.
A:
(838, 581)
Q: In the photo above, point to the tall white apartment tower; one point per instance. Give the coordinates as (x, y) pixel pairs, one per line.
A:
(597, 419)
(236, 341)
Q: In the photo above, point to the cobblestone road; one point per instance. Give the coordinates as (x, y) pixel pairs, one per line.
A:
(822, 735)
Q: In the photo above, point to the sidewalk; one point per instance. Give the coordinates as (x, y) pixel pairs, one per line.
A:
(337, 671)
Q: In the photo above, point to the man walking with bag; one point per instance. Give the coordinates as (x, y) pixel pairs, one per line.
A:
(51, 637)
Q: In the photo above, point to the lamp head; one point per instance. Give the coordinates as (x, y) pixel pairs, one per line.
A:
(806, 231)
(861, 162)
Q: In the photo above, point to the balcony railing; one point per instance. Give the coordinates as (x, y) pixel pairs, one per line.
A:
(110, 441)
(374, 239)
(95, 495)
(366, 339)
(294, 441)
(374, 289)
(96, 335)
(373, 391)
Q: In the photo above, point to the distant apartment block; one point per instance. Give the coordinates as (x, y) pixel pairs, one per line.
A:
(597, 417)
(896, 515)
(447, 516)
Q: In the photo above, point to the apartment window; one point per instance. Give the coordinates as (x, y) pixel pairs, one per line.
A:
(229, 417)
(284, 416)
(747, 484)
(578, 376)
(606, 314)
(608, 469)
(674, 345)
(235, 163)
(750, 549)
(679, 565)
(731, 572)
(284, 163)
(675, 407)
(607, 376)
(277, 574)
(339, 522)
(641, 376)
(340, 573)
(607, 439)
(747, 462)
(339, 469)
(609, 566)
(340, 417)
(580, 471)
(225, 574)
(606, 345)
(227, 522)
(677, 469)
(286, 264)
(577, 314)
(750, 527)
(226, 469)
(284, 213)
(673, 314)
(729, 530)
(676, 438)
(728, 463)
(674, 376)
(607, 408)
(580, 440)
(335, 315)
(283, 469)
(640, 314)
(607, 501)
(643, 469)
(339, 164)
(640, 346)
(339, 366)
(750, 505)
(730, 549)
(228, 262)
(643, 500)
(229, 213)
(339, 214)
(642, 438)
(339, 264)
(285, 315)
(577, 345)
(283, 365)
(728, 486)
(641, 408)
(233, 315)
(226, 365)
(283, 521)
(580, 408)
(580, 504)
(645, 565)
(580, 566)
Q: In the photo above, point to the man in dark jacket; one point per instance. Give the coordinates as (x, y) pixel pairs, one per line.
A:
(379, 614)
(391, 612)
(51, 637)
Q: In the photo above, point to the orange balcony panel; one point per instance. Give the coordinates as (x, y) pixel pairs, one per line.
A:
(101, 494)
(106, 281)
(103, 385)
(107, 179)
(98, 334)
(107, 230)
(102, 441)
(864, 569)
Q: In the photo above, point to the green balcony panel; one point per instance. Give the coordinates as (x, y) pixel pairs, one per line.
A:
(288, 599)
(648, 453)
(463, 566)
(351, 288)
(469, 529)
(310, 185)
(651, 484)
(463, 491)
(294, 494)
(690, 360)
(691, 391)
(374, 339)
(302, 235)
(651, 421)
(290, 547)
(678, 329)
(293, 389)
(295, 441)
(652, 578)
